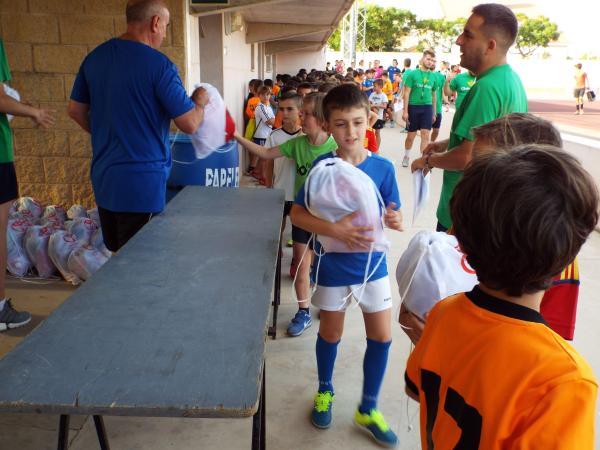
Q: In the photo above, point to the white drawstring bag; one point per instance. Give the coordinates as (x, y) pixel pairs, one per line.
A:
(97, 241)
(334, 189)
(60, 245)
(28, 208)
(95, 216)
(82, 227)
(55, 213)
(85, 261)
(14, 94)
(76, 211)
(18, 262)
(36, 246)
(211, 133)
(431, 269)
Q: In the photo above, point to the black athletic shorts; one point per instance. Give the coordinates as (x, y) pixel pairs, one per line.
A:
(301, 236)
(119, 227)
(287, 208)
(579, 92)
(420, 117)
(379, 124)
(9, 189)
(438, 121)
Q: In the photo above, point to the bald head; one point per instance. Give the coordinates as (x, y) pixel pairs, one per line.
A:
(140, 11)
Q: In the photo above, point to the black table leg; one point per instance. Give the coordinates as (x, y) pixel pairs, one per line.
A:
(101, 431)
(276, 295)
(63, 432)
(259, 420)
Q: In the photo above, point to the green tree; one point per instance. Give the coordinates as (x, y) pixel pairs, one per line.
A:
(385, 29)
(438, 33)
(535, 33)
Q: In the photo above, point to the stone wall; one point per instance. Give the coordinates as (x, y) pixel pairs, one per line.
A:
(46, 41)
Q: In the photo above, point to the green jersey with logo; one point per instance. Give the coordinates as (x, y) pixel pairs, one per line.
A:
(6, 141)
(421, 84)
(497, 93)
(304, 153)
(439, 91)
(462, 84)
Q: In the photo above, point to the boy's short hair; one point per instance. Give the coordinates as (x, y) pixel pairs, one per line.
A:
(518, 129)
(326, 87)
(315, 100)
(268, 82)
(378, 82)
(291, 95)
(345, 97)
(522, 216)
(305, 85)
(385, 74)
(264, 90)
(429, 52)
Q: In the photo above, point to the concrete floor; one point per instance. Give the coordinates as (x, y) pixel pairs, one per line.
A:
(291, 367)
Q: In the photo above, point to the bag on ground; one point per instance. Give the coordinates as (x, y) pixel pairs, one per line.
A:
(335, 189)
(85, 261)
(95, 216)
(60, 246)
(431, 269)
(36, 246)
(76, 211)
(28, 208)
(55, 211)
(97, 242)
(18, 262)
(82, 227)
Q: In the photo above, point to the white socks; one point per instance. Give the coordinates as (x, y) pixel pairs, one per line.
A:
(407, 153)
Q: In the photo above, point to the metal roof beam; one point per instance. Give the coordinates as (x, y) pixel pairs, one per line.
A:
(265, 32)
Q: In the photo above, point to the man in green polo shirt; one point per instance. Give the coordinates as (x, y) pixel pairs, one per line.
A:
(484, 43)
(9, 317)
(440, 80)
(419, 104)
(461, 84)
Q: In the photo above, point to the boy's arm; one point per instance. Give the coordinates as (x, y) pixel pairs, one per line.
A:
(434, 101)
(255, 149)
(448, 86)
(11, 106)
(342, 230)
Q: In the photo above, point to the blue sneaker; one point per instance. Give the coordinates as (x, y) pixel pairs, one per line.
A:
(375, 425)
(321, 413)
(299, 323)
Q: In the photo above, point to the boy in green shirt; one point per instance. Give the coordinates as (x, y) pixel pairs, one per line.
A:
(9, 189)
(487, 36)
(419, 104)
(303, 150)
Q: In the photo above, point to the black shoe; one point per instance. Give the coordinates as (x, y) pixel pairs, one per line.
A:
(11, 318)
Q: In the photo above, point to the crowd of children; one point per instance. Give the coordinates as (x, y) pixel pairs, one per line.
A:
(300, 121)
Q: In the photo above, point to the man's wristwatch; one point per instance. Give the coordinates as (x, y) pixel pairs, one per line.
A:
(427, 165)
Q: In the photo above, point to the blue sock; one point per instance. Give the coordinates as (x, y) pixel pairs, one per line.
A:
(374, 365)
(326, 353)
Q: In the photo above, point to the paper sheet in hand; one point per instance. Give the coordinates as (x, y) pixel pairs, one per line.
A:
(421, 192)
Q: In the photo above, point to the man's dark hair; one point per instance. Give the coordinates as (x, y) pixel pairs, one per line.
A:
(305, 85)
(407, 62)
(255, 84)
(429, 52)
(345, 97)
(143, 10)
(499, 22)
(518, 129)
(292, 84)
(522, 216)
(291, 95)
(268, 82)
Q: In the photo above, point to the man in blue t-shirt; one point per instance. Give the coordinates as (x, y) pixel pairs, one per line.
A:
(393, 69)
(125, 95)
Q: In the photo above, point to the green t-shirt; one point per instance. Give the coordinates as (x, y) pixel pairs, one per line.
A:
(498, 92)
(6, 140)
(421, 84)
(439, 91)
(462, 84)
(304, 153)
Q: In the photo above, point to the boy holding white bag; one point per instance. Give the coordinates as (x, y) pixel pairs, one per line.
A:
(351, 259)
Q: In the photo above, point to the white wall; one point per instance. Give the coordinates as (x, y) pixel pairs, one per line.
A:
(192, 49)
(292, 62)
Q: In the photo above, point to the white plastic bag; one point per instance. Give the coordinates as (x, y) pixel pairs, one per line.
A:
(55, 213)
(14, 94)
(335, 189)
(85, 261)
(420, 191)
(28, 207)
(76, 211)
(82, 227)
(97, 242)
(18, 262)
(36, 246)
(431, 269)
(95, 216)
(60, 246)
(211, 133)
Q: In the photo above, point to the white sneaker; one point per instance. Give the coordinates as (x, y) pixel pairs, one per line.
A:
(405, 161)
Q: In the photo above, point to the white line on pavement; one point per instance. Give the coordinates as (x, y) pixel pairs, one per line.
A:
(590, 142)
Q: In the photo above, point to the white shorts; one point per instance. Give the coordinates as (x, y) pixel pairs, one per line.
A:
(376, 296)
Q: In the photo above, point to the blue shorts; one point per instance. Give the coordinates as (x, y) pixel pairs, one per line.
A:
(438, 121)
(420, 117)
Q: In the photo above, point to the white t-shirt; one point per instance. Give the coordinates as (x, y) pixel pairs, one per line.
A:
(262, 113)
(284, 172)
(378, 99)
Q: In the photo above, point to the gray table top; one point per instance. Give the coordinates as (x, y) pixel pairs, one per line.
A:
(174, 325)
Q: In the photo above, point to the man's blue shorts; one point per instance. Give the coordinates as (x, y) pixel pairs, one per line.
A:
(420, 117)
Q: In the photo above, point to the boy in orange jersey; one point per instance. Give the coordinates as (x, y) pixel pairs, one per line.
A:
(487, 371)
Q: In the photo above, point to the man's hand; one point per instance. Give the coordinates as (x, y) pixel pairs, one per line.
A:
(405, 116)
(353, 236)
(411, 324)
(435, 147)
(393, 219)
(200, 97)
(44, 117)
(418, 164)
